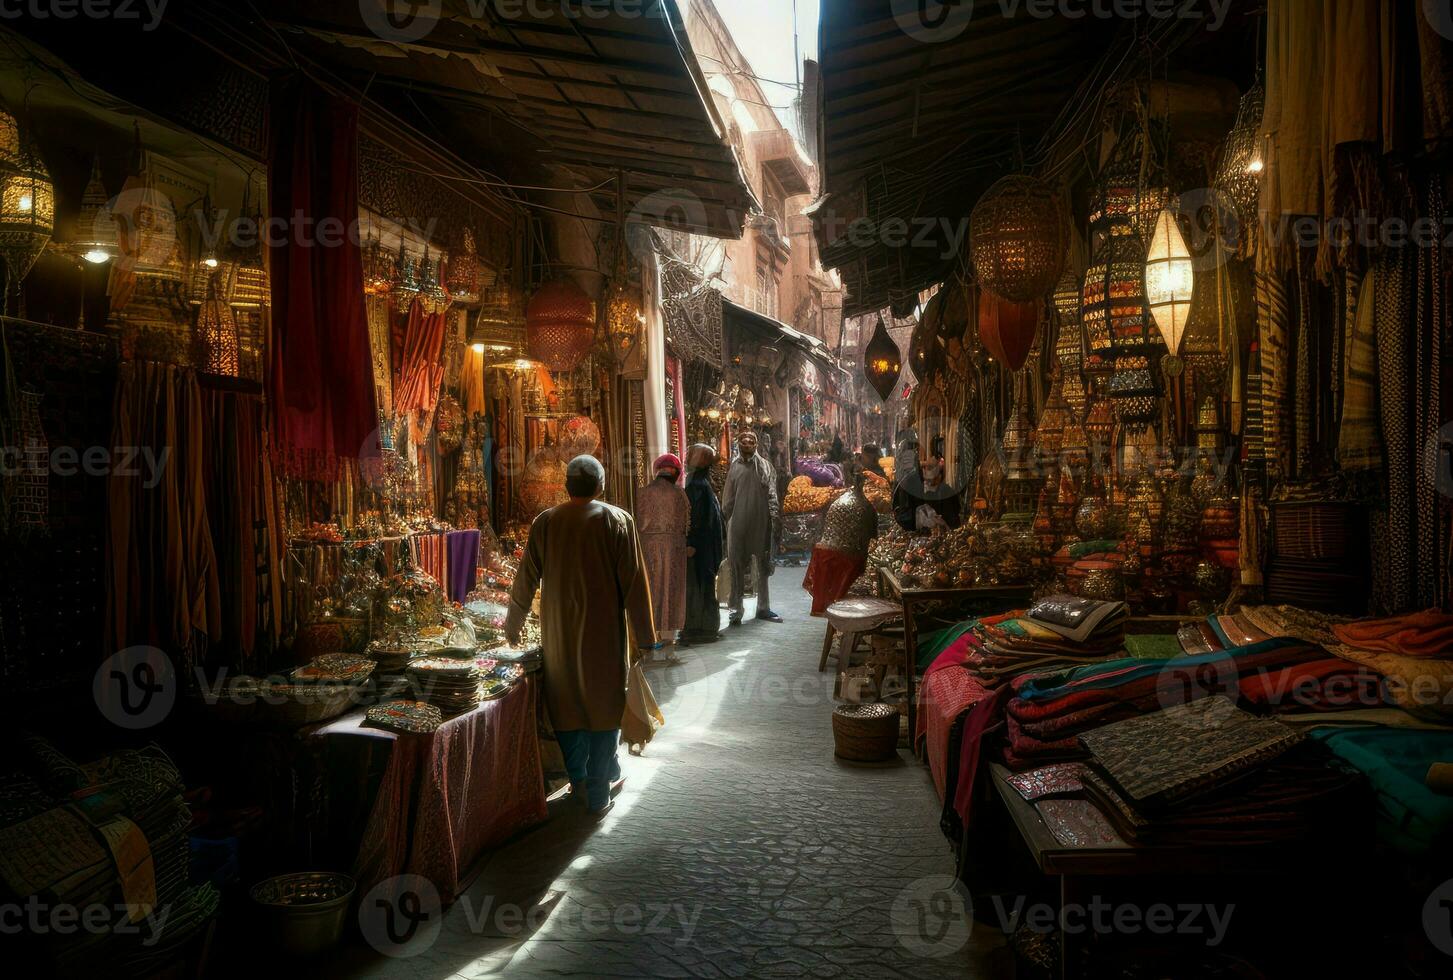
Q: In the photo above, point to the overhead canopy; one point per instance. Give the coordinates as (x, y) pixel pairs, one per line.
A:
(918, 122)
(594, 89)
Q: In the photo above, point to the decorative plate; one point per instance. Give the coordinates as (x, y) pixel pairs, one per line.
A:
(334, 668)
(408, 717)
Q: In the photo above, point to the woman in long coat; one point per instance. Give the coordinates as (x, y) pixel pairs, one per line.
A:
(663, 518)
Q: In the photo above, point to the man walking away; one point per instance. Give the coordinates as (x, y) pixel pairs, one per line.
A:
(749, 504)
(585, 558)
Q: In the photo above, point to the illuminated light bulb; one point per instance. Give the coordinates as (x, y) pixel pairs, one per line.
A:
(477, 348)
(25, 202)
(1255, 167)
(96, 256)
(210, 261)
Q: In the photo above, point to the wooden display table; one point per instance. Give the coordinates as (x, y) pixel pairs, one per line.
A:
(929, 609)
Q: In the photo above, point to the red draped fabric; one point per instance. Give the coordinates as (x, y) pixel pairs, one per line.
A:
(321, 375)
(420, 366)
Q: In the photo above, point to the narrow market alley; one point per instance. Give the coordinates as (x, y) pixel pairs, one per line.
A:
(738, 848)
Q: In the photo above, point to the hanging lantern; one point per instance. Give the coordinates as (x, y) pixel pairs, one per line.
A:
(216, 336)
(462, 274)
(624, 318)
(560, 325)
(1238, 177)
(405, 279)
(1008, 329)
(1049, 435)
(95, 239)
(378, 267)
(1132, 392)
(925, 350)
(433, 298)
(1170, 280)
(27, 201)
(1018, 236)
(882, 362)
(209, 273)
(146, 226)
(251, 288)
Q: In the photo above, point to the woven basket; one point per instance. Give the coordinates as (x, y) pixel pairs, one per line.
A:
(1313, 530)
(865, 732)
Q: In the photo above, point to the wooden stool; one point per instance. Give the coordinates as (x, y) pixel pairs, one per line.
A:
(854, 618)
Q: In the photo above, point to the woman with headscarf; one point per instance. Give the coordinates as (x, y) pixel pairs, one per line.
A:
(663, 516)
(705, 549)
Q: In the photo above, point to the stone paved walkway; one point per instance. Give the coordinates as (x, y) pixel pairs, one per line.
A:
(739, 848)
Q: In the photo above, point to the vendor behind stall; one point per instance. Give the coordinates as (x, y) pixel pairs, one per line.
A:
(922, 501)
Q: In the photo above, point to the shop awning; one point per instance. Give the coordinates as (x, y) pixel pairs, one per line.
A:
(590, 90)
(763, 326)
(917, 121)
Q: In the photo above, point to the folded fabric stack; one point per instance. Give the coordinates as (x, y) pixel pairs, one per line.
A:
(1413, 653)
(1208, 772)
(1049, 712)
(109, 834)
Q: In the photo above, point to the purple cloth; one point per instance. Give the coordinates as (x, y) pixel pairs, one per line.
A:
(463, 559)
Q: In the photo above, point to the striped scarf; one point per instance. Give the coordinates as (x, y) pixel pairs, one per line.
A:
(1359, 443)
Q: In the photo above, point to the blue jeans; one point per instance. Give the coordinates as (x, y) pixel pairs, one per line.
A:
(590, 759)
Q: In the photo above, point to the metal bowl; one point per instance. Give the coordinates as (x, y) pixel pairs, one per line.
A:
(302, 914)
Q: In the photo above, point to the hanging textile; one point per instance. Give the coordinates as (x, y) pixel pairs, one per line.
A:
(380, 344)
(163, 573)
(471, 384)
(321, 367)
(1291, 125)
(1359, 439)
(421, 369)
(1305, 371)
(1273, 313)
(1428, 330)
(1393, 314)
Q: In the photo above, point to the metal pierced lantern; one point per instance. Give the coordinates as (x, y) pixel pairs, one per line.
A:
(27, 201)
(925, 349)
(560, 325)
(1242, 163)
(882, 361)
(624, 318)
(1132, 392)
(1008, 329)
(433, 298)
(95, 239)
(378, 267)
(405, 280)
(461, 278)
(1019, 235)
(216, 335)
(251, 287)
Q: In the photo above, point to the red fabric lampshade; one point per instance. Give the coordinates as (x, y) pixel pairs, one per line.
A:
(560, 325)
(1007, 328)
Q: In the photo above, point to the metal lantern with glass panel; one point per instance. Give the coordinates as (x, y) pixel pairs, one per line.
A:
(251, 288)
(1170, 284)
(95, 239)
(27, 202)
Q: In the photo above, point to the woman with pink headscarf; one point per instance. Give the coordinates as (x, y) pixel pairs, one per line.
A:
(663, 518)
